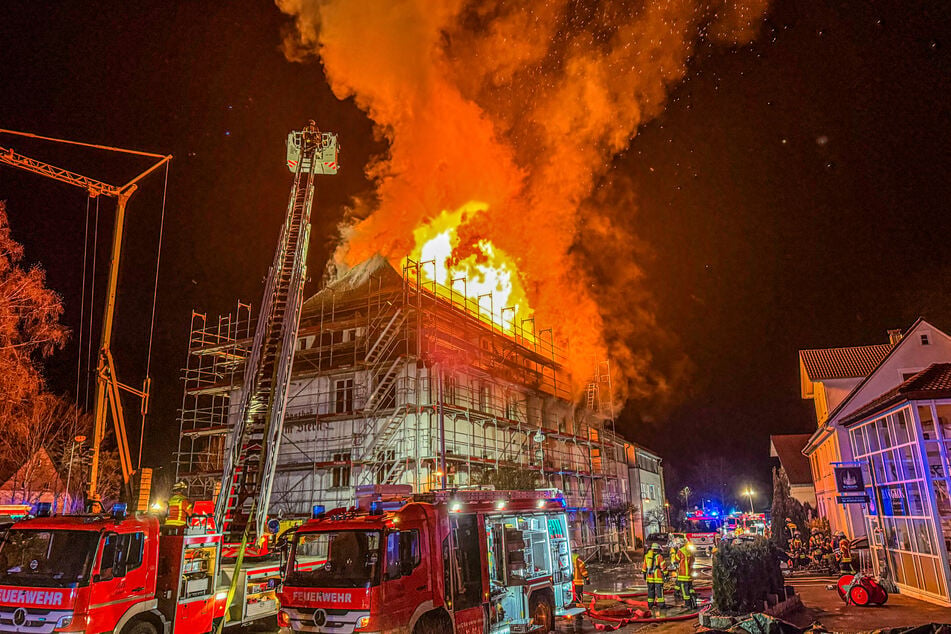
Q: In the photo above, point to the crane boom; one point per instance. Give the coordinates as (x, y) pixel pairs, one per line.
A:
(91, 185)
(108, 386)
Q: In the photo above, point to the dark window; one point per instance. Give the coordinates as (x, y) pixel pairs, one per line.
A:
(449, 390)
(402, 553)
(343, 396)
(385, 462)
(511, 406)
(340, 474)
(483, 397)
(129, 553)
(925, 340)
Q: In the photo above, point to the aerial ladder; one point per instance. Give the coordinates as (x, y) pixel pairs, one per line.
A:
(252, 449)
(108, 386)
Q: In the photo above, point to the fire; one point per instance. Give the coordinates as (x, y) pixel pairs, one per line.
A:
(471, 267)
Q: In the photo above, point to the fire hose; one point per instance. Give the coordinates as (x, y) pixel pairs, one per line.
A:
(622, 616)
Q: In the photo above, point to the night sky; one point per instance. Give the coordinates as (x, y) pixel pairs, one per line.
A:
(793, 195)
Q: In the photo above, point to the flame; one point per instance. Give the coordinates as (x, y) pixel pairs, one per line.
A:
(467, 267)
(526, 106)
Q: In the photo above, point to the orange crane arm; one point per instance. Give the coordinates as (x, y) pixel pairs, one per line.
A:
(108, 386)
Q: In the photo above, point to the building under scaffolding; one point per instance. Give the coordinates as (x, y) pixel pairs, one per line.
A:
(402, 381)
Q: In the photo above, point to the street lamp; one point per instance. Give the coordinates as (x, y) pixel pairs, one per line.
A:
(750, 493)
(667, 514)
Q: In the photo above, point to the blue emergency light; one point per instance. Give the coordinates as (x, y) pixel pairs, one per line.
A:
(44, 509)
(318, 511)
(273, 525)
(119, 510)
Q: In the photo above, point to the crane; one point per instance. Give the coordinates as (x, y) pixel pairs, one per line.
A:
(251, 453)
(108, 386)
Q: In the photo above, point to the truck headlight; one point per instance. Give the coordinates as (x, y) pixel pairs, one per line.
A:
(362, 622)
(64, 621)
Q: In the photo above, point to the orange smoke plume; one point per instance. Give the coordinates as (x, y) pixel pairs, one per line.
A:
(520, 106)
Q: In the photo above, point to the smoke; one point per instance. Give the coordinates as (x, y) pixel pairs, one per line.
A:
(522, 105)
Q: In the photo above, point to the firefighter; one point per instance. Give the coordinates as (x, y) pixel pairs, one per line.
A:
(580, 578)
(845, 555)
(683, 558)
(179, 506)
(795, 550)
(655, 569)
(791, 528)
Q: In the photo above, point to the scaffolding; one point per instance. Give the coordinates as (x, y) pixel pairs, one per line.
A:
(399, 380)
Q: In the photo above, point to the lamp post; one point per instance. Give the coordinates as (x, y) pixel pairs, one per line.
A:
(667, 514)
(750, 493)
(78, 440)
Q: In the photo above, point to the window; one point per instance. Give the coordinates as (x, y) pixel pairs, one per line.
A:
(484, 394)
(343, 396)
(925, 339)
(120, 554)
(511, 406)
(402, 553)
(449, 390)
(340, 473)
(385, 461)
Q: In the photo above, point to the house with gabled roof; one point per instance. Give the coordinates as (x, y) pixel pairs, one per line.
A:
(842, 380)
(903, 437)
(787, 448)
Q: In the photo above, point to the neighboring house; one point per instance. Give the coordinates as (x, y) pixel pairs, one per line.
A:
(646, 472)
(842, 380)
(904, 434)
(788, 448)
(826, 376)
(37, 480)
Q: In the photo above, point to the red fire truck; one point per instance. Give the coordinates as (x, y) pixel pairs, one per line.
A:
(109, 573)
(702, 530)
(466, 562)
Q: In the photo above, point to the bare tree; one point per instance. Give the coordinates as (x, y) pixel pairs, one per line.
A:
(29, 326)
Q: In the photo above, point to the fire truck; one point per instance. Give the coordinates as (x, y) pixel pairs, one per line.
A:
(463, 562)
(110, 573)
(702, 530)
(127, 573)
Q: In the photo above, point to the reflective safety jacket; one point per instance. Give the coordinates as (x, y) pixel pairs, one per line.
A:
(581, 571)
(179, 508)
(683, 558)
(795, 545)
(655, 566)
(845, 550)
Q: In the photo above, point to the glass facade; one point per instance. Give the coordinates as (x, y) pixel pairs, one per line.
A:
(905, 453)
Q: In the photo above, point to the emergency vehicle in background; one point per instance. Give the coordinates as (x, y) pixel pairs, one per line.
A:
(702, 530)
(128, 574)
(463, 562)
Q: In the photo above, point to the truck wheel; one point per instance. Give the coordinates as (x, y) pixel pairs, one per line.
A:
(542, 611)
(433, 623)
(140, 627)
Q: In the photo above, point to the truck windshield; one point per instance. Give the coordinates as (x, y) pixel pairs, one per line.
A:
(703, 525)
(47, 558)
(335, 559)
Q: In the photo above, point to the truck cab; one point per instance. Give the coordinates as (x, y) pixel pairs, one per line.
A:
(101, 573)
(464, 562)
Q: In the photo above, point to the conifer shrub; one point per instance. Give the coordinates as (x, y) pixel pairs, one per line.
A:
(744, 572)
